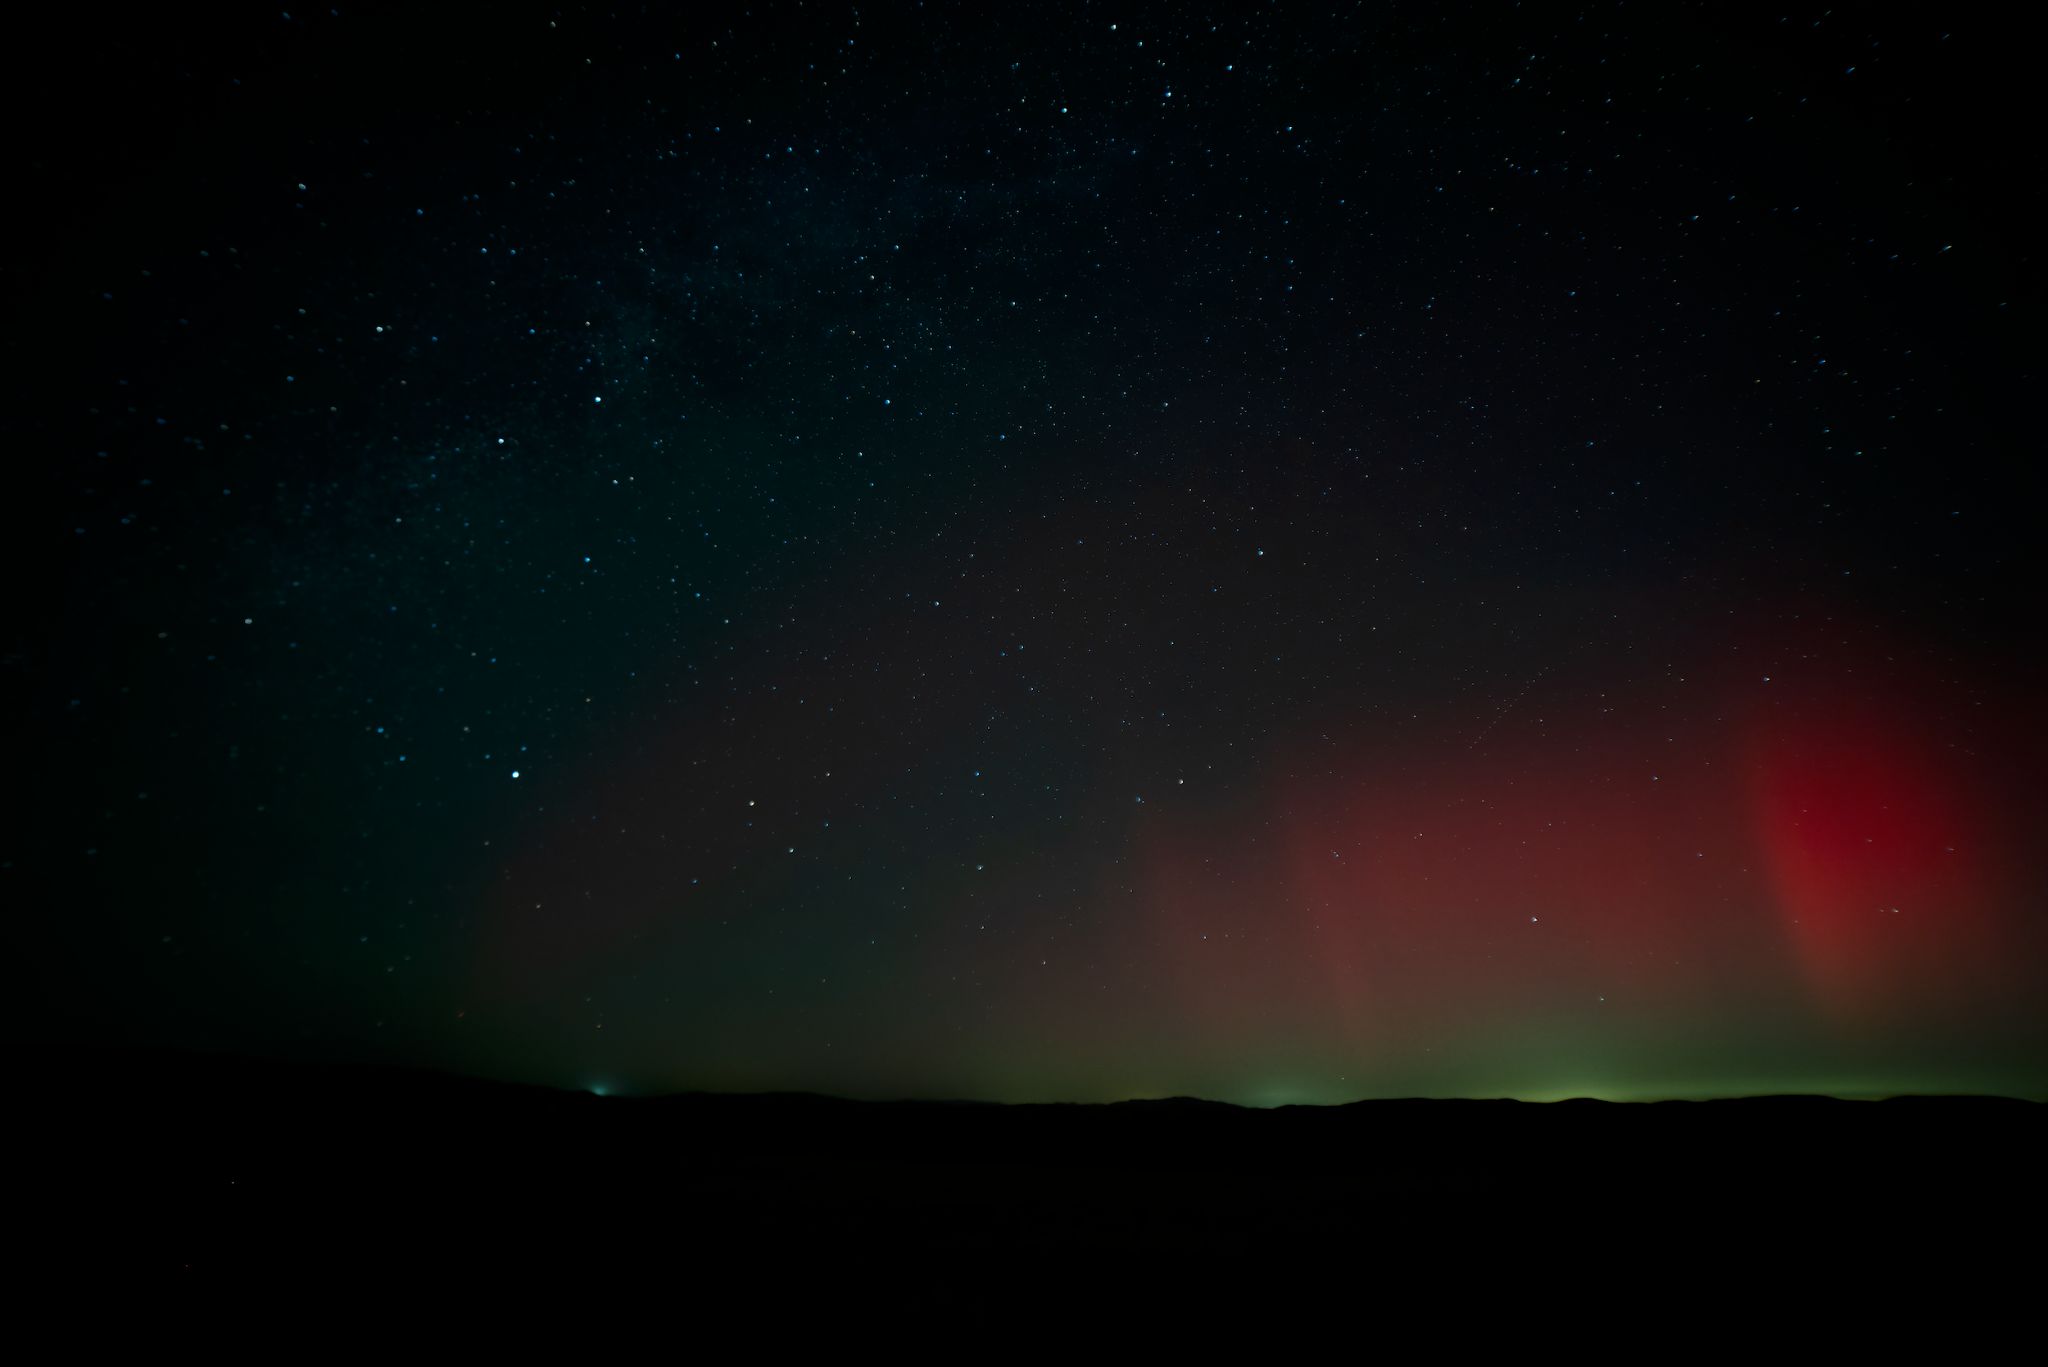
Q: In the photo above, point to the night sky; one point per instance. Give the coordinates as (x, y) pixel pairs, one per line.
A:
(1286, 553)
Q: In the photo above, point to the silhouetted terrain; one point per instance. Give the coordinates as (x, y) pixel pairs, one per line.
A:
(188, 1167)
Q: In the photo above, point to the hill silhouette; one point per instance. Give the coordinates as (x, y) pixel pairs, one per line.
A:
(217, 1168)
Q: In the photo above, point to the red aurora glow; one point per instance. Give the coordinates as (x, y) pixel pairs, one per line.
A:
(1825, 833)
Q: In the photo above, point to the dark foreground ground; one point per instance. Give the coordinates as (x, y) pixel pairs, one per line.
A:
(178, 1168)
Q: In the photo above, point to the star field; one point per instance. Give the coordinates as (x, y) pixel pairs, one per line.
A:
(1037, 552)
